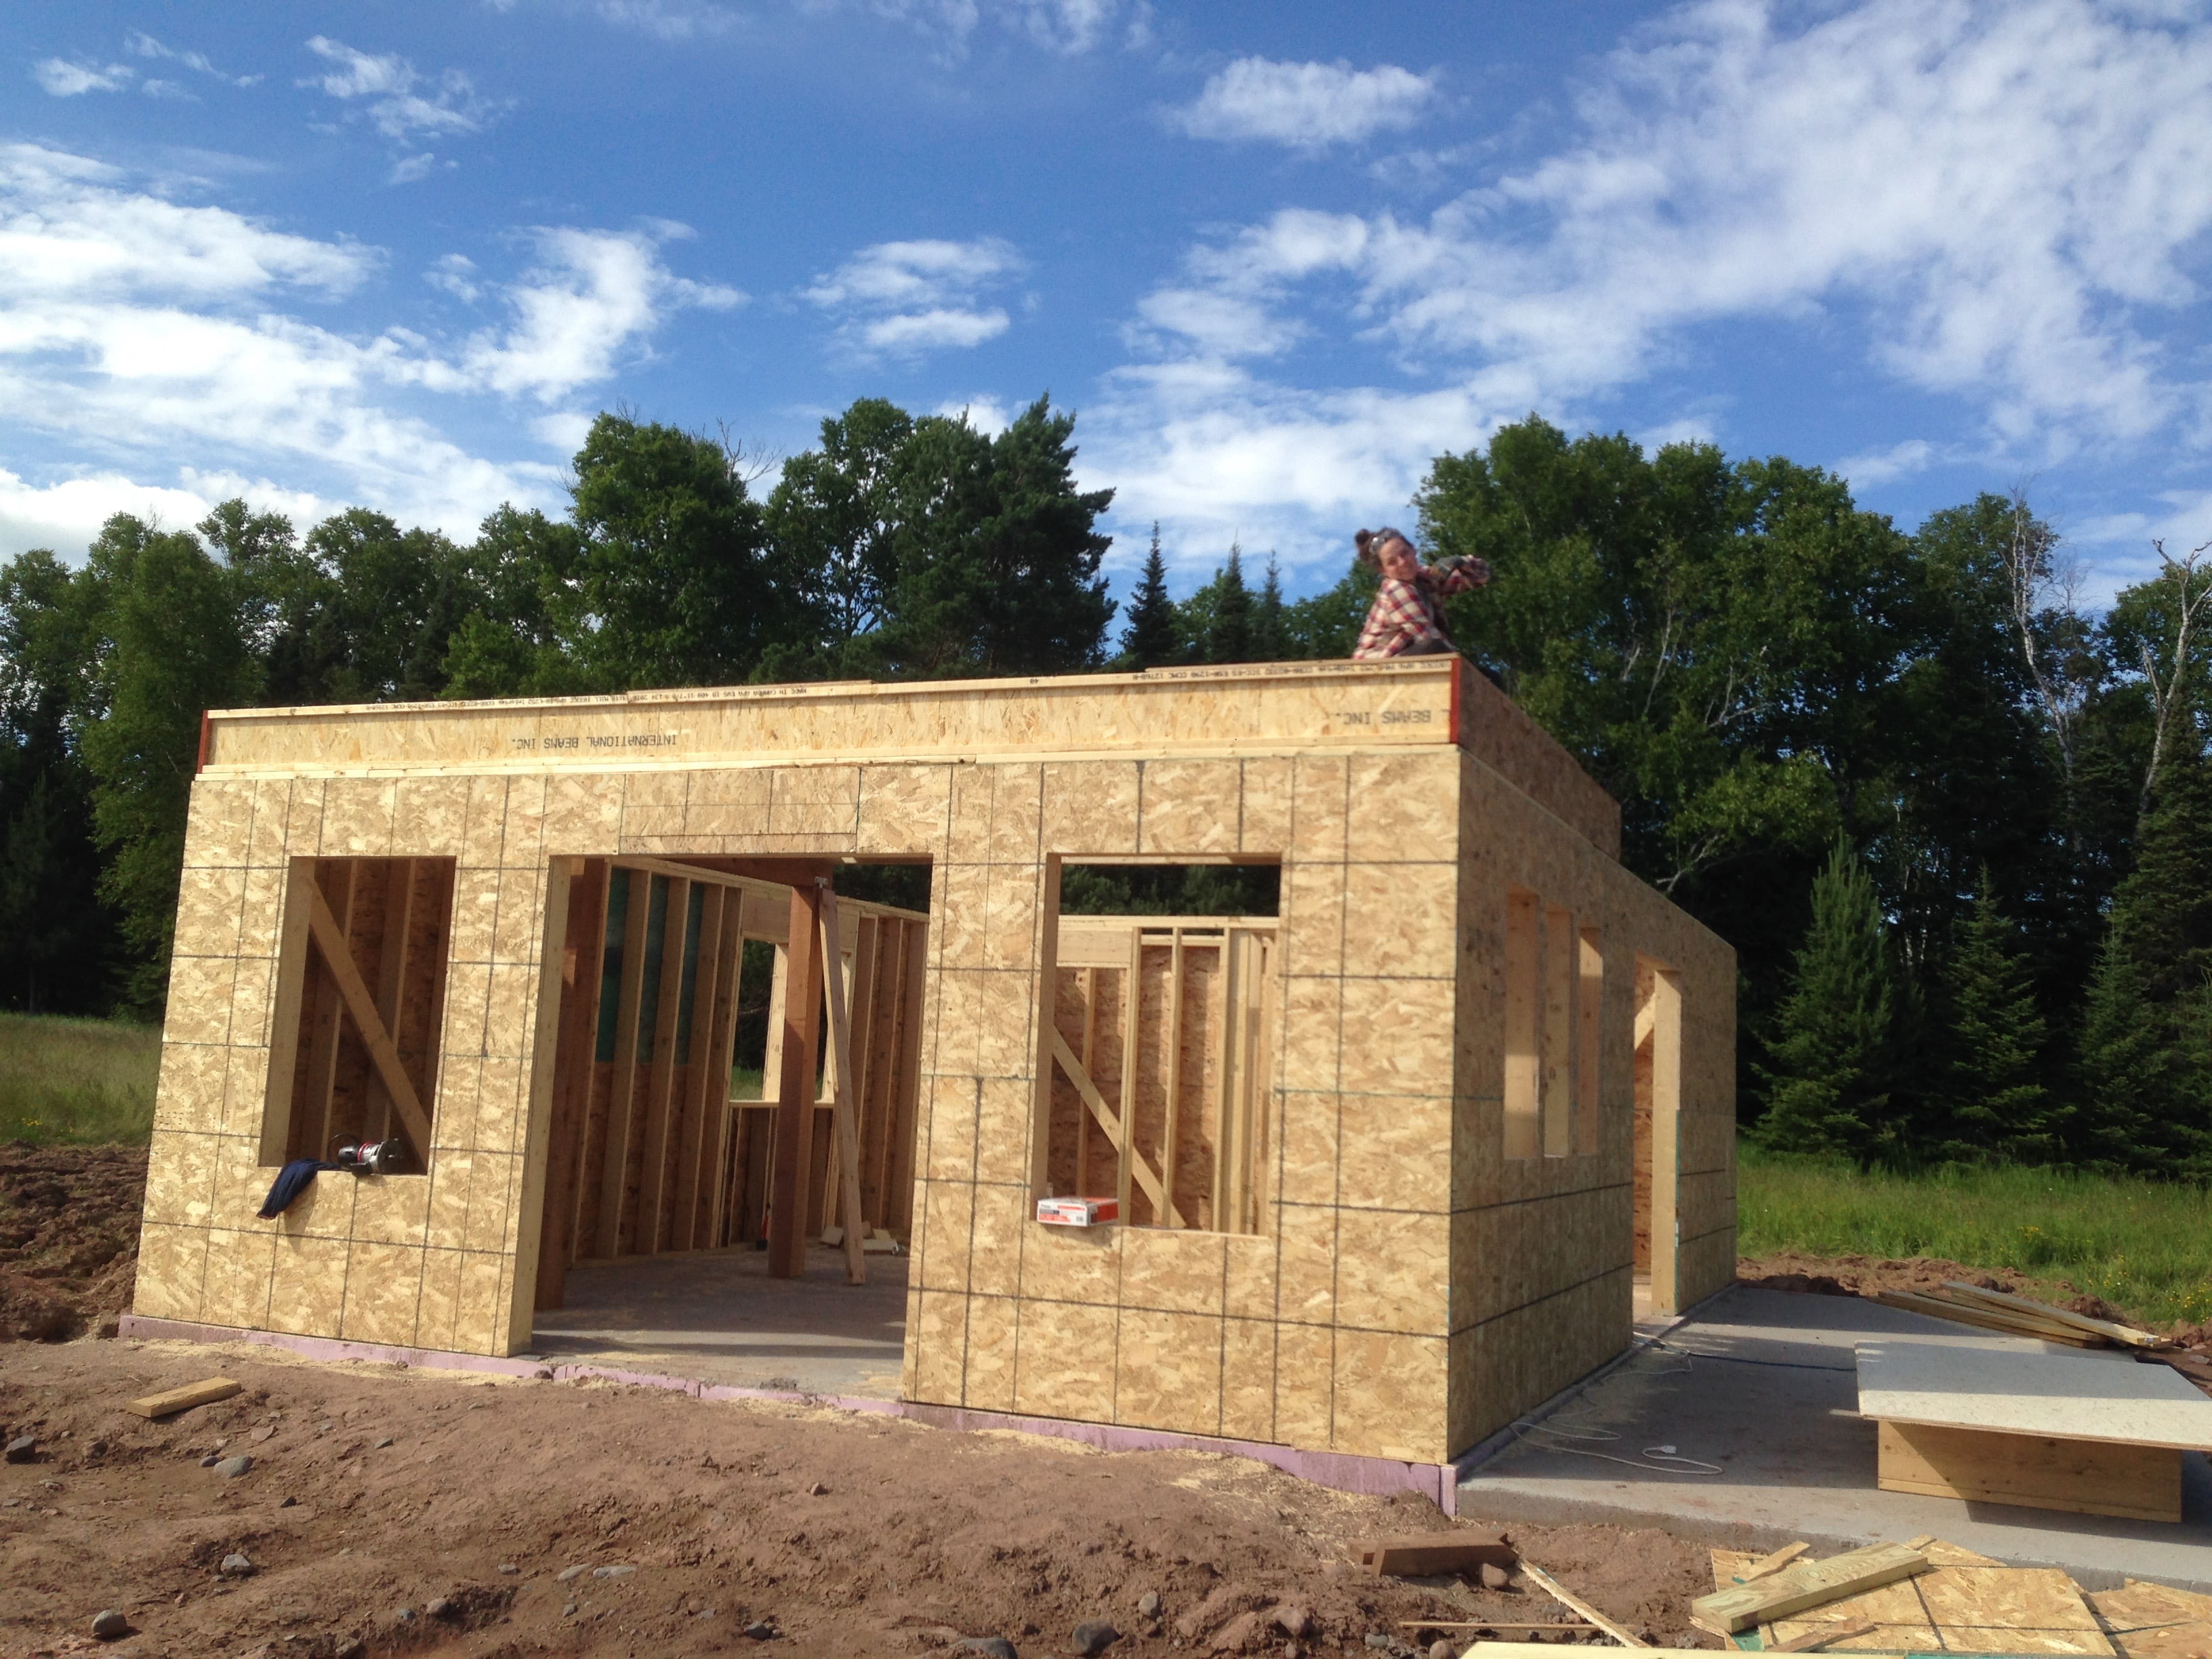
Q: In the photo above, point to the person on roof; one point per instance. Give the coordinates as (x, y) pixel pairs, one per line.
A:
(1403, 622)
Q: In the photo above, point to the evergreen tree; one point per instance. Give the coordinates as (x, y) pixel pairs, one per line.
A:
(2144, 1050)
(1271, 628)
(1829, 1080)
(1998, 1104)
(1150, 640)
(1226, 606)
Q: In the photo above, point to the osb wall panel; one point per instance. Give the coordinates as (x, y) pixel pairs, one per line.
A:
(1542, 1247)
(425, 1259)
(1201, 1332)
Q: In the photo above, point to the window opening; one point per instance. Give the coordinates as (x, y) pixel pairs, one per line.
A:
(1160, 1087)
(361, 1008)
(1554, 986)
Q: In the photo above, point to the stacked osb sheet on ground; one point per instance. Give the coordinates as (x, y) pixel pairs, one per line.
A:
(1970, 1604)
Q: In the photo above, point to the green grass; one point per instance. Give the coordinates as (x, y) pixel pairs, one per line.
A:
(2144, 1246)
(76, 1082)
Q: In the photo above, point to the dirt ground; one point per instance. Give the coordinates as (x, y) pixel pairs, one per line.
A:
(391, 1511)
(68, 1237)
(383, 1503)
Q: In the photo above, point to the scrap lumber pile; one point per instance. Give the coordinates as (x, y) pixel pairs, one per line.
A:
(1925, 1597)
(1957, 1601)
(2022, 1315)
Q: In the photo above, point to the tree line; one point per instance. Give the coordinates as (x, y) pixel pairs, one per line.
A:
(1958, 828)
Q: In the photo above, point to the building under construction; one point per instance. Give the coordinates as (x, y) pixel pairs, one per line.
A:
(1394, 1157)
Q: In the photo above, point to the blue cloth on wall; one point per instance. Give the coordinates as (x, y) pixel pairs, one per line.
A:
(292, 1180)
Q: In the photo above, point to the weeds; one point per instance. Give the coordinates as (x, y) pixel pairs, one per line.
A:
(77, 1082)
(2145, 1246)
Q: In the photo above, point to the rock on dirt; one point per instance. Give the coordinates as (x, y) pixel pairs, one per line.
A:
(1093, 1636)
(109, 1625)
(69, 1238)
(22, 1448)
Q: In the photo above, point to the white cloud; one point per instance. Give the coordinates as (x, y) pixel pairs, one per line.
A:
(1067, 26)
(1899, 460)
(135, 328)
(143, 45)
(1306, 106)
(988, 415)
(2002, 204)
(402, 103)
(903, 298)
(64, 79)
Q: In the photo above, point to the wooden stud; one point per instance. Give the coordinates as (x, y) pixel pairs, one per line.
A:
(1562, 1050)
(293, 968)
(859, 1016)
(1169, 1125)
(337, 956)
(841, 1097)
(906, 1125)
(718, 1121)
(1589, 1048)
(170, 1401)
(690, 1118)
(391, 981)
(1224, 1000)
(1666, 1140)
(1132, 1003)
(1806, 1584)
(1566, 1598)
(614, 1168)
(2078, 1477)
(1131, 1157)
(1087, 979)
(1775, 1562)
(794, 1094)
(323, 1046)
(660, 1081)
(583, 968)
(1524, 969)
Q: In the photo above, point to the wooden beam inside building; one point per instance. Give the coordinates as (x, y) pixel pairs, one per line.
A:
(794, 1097)
(382, 1053)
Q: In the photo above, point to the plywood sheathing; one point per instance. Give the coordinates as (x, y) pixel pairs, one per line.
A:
(1412, 1288)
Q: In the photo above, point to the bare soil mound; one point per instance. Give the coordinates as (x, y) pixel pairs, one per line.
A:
(641, 1522)
(68, 1237)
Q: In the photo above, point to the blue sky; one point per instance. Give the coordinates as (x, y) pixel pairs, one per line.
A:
(1276, 257)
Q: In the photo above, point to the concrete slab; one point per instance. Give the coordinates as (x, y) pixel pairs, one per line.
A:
(716, 1316)
(1761, 1386)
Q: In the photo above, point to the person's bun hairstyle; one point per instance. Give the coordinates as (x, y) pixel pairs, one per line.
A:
(1371, 543)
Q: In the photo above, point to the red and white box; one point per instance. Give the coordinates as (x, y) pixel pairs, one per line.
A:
(1078, 1212)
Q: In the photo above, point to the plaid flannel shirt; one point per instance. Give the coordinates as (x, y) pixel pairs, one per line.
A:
(1403, 613)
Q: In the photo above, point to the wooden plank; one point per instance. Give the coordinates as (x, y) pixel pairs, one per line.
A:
(391, 978)
(794, 1095)
(1813, 1640)
(840, 1097)
(1561, 1051)
(660, 1081)
(1806, 1584)
(339, 959)
(1773, 1562)
(2025, 1322)
(1133, 1157)
(1566, 1598)
(293, 967)
(1225, 1089)
(1561, 1624)
(1086, 979)
(718, 1121)
(1986, 1319)
(2127, 1336)
(1589, 1027)
(323, 1045)
(613, 1168)
(1133, 1021)
(170, 1401)
(1403, 1555)
(859, 1018)
(687, 1175)
(1524, 975)
(583, 967)
(1169, 1122)
(2078, 1477)
(906, 1127)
